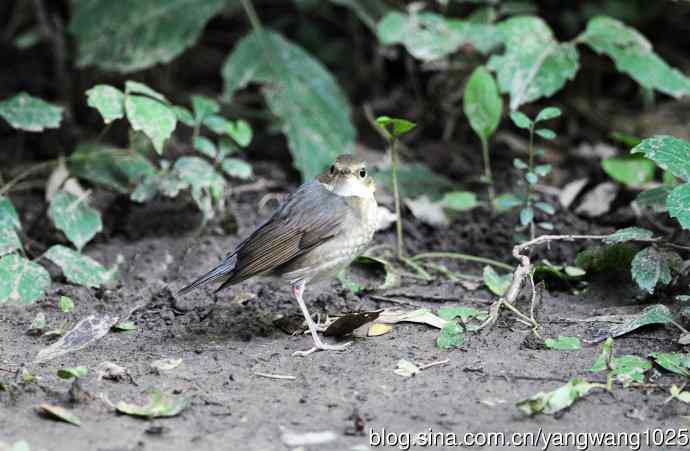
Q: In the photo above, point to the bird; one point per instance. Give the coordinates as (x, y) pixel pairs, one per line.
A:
(315, 233)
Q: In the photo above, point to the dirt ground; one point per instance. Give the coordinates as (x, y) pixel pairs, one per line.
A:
(223, 343)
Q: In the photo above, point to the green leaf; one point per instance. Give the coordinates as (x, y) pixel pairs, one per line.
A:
(79, 222)
(72, 373)
(65, 304)
(109, 101)
(131, 35)
(9, 225)
(519, 164)
(520, 120)
(198, 173)
(78, 268)
(156, 119)
(237, 168)
(429, 36)
(534, 64)
(460, 200)
(671, 154)
(395, 127)
(526, 216)
(498, 284)
(158, 406)
(205, 146)
(654, 198)
(678, 203)
(482, 103)
(451, 336)
(629, 234)
(633, 171)
(545, 207)
(546, 133)
(217, 124)
(240, 131)
(38, 325)
(415, 180)
(649, 268)
(633, 54)
(630, 368)
(184, 115)
(654, 314)
(542, 170)
(21, 281)
(30, 114)
(464, 313)
(125, 326)
(556, 400)
(507, 201)
(563, 343)
(118, 169)
(203, 107)
(135, 87)
(547, 113)
(673, 361)
(605, 357)
(677, 393)
(314, 112)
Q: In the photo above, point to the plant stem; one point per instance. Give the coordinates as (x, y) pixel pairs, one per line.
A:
(530, 188)
(396, 194)
(487, 173)
(35, 168)
(458, 256)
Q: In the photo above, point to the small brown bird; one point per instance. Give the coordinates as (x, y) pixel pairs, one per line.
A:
(316, 232)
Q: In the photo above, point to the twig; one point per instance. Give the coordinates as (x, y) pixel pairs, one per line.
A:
(276, 376)
(394, 301)
(429, 365)
(459, 256)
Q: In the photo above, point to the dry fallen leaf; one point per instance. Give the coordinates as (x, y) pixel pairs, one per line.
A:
(378, 329)
(598, 201)
(165, 364)
(428, 212)
(422, 316)
(348, 322)
(386, 218)
(59, 413)
(570, 192)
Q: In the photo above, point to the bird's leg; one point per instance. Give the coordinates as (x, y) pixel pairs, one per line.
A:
(297, 291)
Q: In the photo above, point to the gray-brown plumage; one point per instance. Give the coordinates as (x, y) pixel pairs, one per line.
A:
(315, 233)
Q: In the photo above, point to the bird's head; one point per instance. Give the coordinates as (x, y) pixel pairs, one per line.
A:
(348, 176)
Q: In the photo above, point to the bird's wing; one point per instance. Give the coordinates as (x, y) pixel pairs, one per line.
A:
(309, 217)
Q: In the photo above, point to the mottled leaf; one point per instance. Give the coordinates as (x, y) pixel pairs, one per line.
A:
(649, 268)
(155, 119)
(109, 101)
(21, 281)
(563, 343)
(557, 400)
(678, 203)
(451, 336)
(673, 361)
(30, 114)
(157, 406)
(78, 268)
(629, 234)
(9, 225)
(118, 169)
(669, 153)
(72, 215)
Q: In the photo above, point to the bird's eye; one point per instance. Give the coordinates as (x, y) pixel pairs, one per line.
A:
(332, 169)
(362, 173)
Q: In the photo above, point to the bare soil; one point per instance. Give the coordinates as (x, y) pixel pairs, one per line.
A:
(225, 339)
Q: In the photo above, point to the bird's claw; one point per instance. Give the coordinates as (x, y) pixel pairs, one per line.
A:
(322, 347)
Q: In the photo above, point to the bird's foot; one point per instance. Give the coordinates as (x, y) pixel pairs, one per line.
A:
(320, 346)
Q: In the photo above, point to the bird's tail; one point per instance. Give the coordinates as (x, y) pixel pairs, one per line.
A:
(223, 271)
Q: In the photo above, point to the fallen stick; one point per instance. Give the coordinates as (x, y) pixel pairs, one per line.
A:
(276, 376)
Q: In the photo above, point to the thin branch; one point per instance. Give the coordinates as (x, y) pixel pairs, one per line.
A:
(459, 256)
(276, 376)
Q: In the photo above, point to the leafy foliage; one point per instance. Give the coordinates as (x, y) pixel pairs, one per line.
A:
(563, 343)
(75, 218)
(482, 103)
(651, 267)
(30, 114)
(9, 225)
(314, 112)
(131, 35)
(556, 400)
(21, 281)
(78, 268)
(633, 171)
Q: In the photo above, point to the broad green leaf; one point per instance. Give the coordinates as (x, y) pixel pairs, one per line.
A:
(498, 284)
(482, 103)
(678, 203)
(546, 133)
(526, 216)
(534, 64)
(198, 173)
(519, 164)
(395, 127)
(108, 100)
(240, 131)
(462, 312)
(520, 120)
(21, 281)
(154, 118)
(217, 124)
(184, 116)
(130, 35)
(654, 314)
(671, 154)
(563, 343)
(629, 234)
(30, 114)
(65, 304)
(630, 368)
(60, 413)
(547, 113)
(158, 406)
(118, 169)
(237, 168)
(9, 225)
(429, 36)
(673, 361)
(78, 268)
(507, 201)
(545, 207)
(205, 146)
(72, 215)
(415, 180)
(649, 268)
(654, 198)
(72, 373)
(203, 107)
(542, 169)
(633, 54)
(314, 112)
(557, 400)
(460, 200)
(125, 326)
(452, 336)
(633, 171)
(135, 87)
